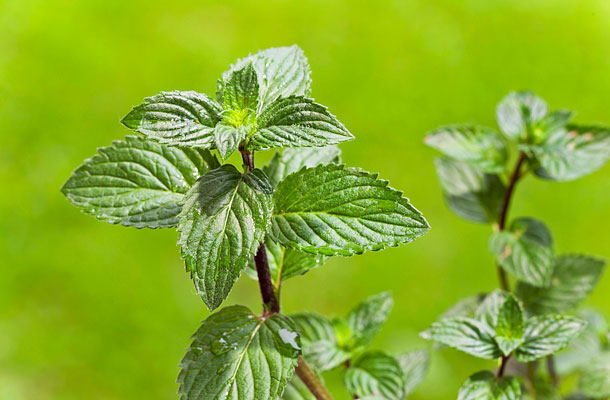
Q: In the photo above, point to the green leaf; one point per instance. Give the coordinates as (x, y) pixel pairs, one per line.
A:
(465, 334)
(550, 125)
(291, 160)
(547, 334)
(510, 326)
(595, 378)
(136, 182)
(176, 118)
(228, 138)
(366, 319)
(481, 147)
(282, 72)
(489, 309)
(320, 347)
(585, 346)
(238, 355)
(296, 390)
(469, 192)
(376, 374)
(241, 90)
(336, 210)
(484, 386)
(297, 122)
(415, 366)
(517, 112)
(574, 277)
(525, 251)
(572, 153)
(222, 224)
(464, 307)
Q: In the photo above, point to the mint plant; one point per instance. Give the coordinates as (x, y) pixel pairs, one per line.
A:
(533, 318)
(274, 223)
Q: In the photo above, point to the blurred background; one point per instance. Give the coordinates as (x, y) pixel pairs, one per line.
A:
(90, 310)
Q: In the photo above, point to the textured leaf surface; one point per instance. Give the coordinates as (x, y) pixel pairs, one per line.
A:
(223, 221)
(415, 366)
(547, 334)
(376, 374)
(517, 112)
(510, 326)
(366, 319)
(136, 182)
(586, 346)
(176, 118)
(238, 355)
(574, 277)
(479, 146)
(291, 160)
(227, 138)
(336, 210)
(487, 312)
(469, 192)
(465, 334)
(525, 251)
(484, 386)
(241, 90)
(595, 378)
(297, 122)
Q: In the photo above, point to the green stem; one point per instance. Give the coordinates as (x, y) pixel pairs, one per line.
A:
(550, 366)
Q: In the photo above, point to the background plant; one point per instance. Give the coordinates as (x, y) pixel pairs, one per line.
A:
(531, 324)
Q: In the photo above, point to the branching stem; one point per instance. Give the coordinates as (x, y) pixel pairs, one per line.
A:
(502, 368)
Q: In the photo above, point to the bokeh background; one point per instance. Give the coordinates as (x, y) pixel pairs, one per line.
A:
(90, 310)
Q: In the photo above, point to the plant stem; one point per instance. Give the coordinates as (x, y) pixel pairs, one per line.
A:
(514, 177)
(311, 380)
(503, 363)
(550, 366)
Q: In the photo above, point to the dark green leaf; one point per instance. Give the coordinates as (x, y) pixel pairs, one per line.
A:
(366, 319)
(288, 161)
(517, 112)
(241, 90)
(415, 367)
(137, 182)
(510, 326)
(239, 356)
(336, 210)
(376, 374)
(469, 192)
(176, 118)
(484, 386)
(223, 221)
(547, 334)
(525, 251)
(595, 378)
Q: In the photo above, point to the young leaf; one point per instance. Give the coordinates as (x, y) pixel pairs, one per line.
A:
(241, 90)
(239, 356)
(489, 309)
(176, 118)
(465, 334)
(224, 219)
(282, 72)
(137, 182)
(547, 334)
(228, 138)
(469, 192)
(510, 326)
(574, 277)
(336, 210)
(525, 251)
(415, 365)
(366, 319)
(595, 378)
(550, 125)
(481, 147)
(297, 122)
(320, 347)
(291, 160)
(376, 374)
(517, 112)
(485, 386)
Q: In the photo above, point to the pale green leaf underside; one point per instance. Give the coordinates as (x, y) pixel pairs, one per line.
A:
(290, 160)
(223, 221)
(227, 138)
(237, 355)
(376, 374)
(336, 210)
(485, 386)
(517, 111)
(366, 319)
(177, 118)
(415, 366)
(469, 192)
(547, 334)
(136, 182)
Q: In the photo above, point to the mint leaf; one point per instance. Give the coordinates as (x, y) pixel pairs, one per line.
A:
(366, 319)
(595, 378)
(227, 138)
(290, 160)
(586, 346)
(241, 90)
(296, 390)
(282, 72)
(297, 122)
(176, 118)
(547, 334)
(510, 326)
(469, 192)
(224, 219)
(525, 251)
(336, 210)
(320, 347)
(481, 147)
(376, 374)
(465, 334)
(415, 366)
(517, 112)
(551, 124)
(484, 386)
(136, 182)
(574, 277)
(489, 309)
(238, 355)
(464, 307)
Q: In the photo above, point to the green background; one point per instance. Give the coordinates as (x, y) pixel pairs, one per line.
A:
(90, 310)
